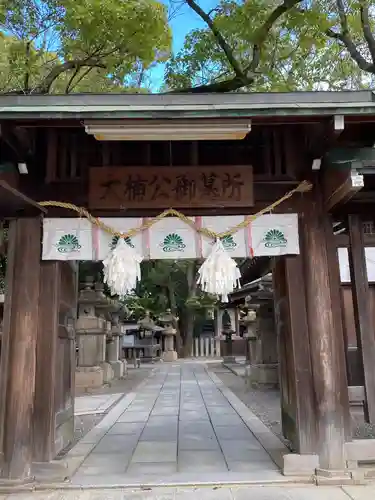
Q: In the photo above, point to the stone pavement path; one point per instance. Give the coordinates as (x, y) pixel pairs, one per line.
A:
(178, 425)
(95, 403)
(240, 493)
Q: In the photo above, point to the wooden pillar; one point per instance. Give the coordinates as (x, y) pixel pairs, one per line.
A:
(45, 382)
(363, 316)
(17, 369)
(325, 331)
(301, 355)
(296, 381)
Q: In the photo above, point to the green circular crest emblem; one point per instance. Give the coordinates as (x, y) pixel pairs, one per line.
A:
(274, 238)
(228, 242)
(68, 243)
(173, 243)
(115, 239)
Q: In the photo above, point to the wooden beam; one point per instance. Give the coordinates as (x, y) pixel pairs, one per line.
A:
(51, 159)
(16, 144)
(13, 203)
(342, 240)
(76, 192)
(338, 186)
(20, 329)
(363, 316)
(356, 207)
(323, 136)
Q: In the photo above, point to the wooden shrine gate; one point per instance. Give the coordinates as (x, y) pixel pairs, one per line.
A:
(47, 134)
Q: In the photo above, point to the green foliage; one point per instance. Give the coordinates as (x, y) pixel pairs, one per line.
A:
(297, 53)
(80, 45)
(165, 284)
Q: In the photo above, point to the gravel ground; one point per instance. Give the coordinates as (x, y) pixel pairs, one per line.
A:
(361, 430)
(84, 423)
(265, 403)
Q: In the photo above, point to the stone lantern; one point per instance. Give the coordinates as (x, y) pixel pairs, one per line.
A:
(228, 332)
(146, 325)
(167, 321)
(113, 342)
(91, 331)
(249, 321)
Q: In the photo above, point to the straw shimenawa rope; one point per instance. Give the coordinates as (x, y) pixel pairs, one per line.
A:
(301, 188)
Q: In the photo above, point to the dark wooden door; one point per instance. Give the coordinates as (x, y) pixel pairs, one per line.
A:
(55, 366)
(65, 356)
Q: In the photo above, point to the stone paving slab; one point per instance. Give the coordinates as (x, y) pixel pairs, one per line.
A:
(85, 405)
(207, 493)
(154, 451)
(180, 423)
(360, 492)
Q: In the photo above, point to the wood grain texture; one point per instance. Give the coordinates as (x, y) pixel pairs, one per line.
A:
(363, 313)
(22, 328)
(326, 339)
(164, 187)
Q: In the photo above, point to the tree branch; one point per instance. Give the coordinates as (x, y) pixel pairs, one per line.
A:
(70, 87)
(242, 76)
(45, 86)
(229, 85)
(345, 38)
(219, 37)
(262, 33)
(26, 82)
(75, 73)
(366, 28)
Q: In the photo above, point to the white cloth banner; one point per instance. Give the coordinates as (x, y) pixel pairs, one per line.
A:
(67, 239)
(275, 234)
(171, 238)
(104, 242)
(237, 245)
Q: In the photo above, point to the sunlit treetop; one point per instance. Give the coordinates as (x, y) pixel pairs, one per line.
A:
(52, 44)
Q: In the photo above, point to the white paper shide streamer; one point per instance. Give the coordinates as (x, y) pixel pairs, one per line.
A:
(219, 274)
(122, 269)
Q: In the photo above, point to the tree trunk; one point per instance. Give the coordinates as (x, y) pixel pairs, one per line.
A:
(188, 340)
(173, 306)
(190, 315)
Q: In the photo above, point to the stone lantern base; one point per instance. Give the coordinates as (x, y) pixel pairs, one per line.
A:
(89, 377)
(229, 360)
(108, 374)
(263, 374)
(118, 368)
(169, 356)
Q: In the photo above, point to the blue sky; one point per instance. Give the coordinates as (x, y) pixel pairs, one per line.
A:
(184, 21)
